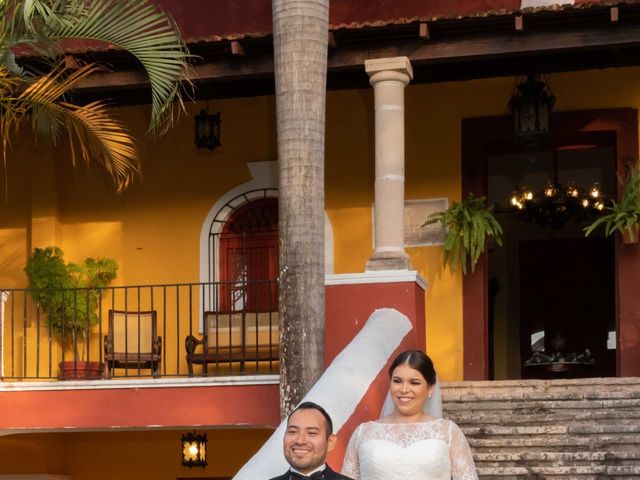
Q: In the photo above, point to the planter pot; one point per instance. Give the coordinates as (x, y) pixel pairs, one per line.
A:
(626, 238)
(80, 371)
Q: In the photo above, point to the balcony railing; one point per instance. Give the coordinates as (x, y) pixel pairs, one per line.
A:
(194, 329)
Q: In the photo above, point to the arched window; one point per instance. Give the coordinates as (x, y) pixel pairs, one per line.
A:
(248, 258)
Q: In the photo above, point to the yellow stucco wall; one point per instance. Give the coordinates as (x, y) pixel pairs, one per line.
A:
(125, 455)
(153, 229)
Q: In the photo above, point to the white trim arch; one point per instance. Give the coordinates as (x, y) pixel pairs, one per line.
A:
(264, 181)
(264, 176)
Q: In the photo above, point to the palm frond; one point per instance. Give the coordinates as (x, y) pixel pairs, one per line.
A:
(137, 26)
(103, 138)
(93, 133)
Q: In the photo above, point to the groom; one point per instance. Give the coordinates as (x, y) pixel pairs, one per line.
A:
(307, 440)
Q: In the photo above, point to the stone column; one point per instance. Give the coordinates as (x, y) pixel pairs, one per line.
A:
(389, 76)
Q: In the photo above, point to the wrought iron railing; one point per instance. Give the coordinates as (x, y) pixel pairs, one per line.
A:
(140, 331)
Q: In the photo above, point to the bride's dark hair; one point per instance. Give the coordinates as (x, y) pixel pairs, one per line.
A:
(417, 360)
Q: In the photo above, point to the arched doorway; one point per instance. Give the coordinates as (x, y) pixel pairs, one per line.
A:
(263, 184)
(241, 254)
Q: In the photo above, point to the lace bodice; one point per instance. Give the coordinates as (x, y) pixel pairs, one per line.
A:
(434, 450)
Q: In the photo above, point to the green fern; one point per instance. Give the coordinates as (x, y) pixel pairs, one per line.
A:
(625, 215)
(469, 224)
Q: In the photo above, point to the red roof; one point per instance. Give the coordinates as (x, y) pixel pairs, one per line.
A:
(218, 20)
(207, 20)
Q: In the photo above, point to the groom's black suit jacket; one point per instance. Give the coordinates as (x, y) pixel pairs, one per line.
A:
(328, 475)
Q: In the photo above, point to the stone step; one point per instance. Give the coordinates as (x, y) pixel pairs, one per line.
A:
(630, 427)
(555, 442)
(543, 396)
(567, 472)
(579, 430)
(483, 432)
(583, 429)
(535, 476)
(559, 477)
(507, 459)
(482, 388)
(588, 416)
(540, 406)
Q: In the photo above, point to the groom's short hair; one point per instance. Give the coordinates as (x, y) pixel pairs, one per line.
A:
(314, 406)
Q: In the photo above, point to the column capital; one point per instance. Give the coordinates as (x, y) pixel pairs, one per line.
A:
(401, 65)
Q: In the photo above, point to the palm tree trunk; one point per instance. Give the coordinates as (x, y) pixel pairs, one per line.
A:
(300, 30)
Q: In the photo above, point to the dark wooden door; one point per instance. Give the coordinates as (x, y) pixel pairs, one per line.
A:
(567, 287)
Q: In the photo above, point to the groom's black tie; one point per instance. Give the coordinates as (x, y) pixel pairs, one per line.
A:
(319, 475)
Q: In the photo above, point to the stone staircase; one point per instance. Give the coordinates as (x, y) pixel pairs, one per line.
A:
(584, 429)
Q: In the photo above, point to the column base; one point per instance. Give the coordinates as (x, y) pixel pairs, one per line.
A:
(388, 261)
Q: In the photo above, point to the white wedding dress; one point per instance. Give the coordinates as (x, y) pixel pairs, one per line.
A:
(432, 450)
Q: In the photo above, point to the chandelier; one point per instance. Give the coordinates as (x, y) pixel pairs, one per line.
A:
(556, 203)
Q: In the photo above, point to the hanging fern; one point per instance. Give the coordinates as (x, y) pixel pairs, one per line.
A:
(623, 216)
(469, 224)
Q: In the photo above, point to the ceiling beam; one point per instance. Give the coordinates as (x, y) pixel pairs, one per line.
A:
(236, 48)
(351, 56)
(614, 14)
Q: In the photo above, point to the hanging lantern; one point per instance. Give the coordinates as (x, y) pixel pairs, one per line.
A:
(207, 130)
(194, 450)
(531, 104)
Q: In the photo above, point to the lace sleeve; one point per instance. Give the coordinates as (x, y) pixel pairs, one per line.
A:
(351, 464)
(462, 466)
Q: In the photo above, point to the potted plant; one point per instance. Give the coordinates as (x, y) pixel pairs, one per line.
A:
(69, 294)
(469, 224)
(623, 216)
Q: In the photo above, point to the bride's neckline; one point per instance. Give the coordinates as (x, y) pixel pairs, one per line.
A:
(420, 422)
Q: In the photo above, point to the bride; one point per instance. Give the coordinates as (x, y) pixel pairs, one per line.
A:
(411, 441)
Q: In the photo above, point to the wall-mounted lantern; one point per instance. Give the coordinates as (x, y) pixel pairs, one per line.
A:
(194, 450)
(207, 130)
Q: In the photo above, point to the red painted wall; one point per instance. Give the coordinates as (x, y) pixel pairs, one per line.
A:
(204, 406)
(347, 309)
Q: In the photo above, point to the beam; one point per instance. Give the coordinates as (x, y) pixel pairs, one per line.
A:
(519, 23)
(332, 40)
(423, 33)
(614, 14)
(446, 51)
(225, 70)
(494, 46)
(236, 48)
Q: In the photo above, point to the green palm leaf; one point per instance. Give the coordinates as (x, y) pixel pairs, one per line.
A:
(136, 26)
(92, 132)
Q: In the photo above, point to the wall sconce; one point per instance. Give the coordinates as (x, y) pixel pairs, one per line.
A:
(207, 130)
(194, 450)
(531, 103)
